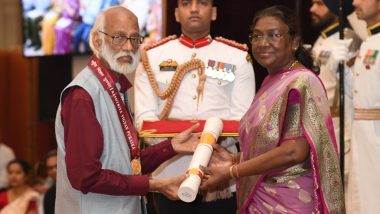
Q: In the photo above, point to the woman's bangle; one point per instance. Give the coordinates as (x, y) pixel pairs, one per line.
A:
(236, 170)
(231, 173)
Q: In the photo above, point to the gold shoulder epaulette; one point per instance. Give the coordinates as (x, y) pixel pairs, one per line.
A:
(232, 43)
(161, 42)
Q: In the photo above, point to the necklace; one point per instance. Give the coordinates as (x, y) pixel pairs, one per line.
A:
(293, 64)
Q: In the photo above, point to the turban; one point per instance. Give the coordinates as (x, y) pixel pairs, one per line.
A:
(333, 6)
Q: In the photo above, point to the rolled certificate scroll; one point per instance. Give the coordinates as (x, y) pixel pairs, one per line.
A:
(189, 187)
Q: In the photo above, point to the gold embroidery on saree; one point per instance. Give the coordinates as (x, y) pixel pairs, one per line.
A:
(292, 122)
(315, 125)
(304, 196)
(266, 135)
(280, 209)
(271, 191)
(289, 174)
(293, 185)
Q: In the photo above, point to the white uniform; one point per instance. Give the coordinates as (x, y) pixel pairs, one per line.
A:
(328, 74)
(221, 98)
(363, 187)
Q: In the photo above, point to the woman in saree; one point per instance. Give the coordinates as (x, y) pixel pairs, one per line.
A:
(289, 161)
(20, 198)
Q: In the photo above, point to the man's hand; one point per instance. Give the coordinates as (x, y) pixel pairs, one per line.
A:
(167, 186)
(186, 141)
(340, 52)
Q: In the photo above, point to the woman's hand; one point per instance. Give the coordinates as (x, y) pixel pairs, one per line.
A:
(220, 156)
(186, 141)
(215, 178)
(216, 175)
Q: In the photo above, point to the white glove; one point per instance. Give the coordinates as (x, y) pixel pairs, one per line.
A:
(340, 51)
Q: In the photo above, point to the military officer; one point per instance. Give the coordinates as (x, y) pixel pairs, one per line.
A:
(365, 145)
(324, 17)
(194, 76)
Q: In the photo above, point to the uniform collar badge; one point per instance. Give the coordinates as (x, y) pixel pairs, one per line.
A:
(330, 30)
(195, 43)
(168, 65)
(374, 29)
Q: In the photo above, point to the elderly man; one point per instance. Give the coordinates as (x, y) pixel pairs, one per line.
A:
(99, 167)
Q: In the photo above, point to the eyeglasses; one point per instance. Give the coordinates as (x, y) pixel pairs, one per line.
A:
(135, 39)
(270, 37)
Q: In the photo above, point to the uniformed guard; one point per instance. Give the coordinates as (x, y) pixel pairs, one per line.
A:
(324, 17)
(194, 76)
(324, 14)
(364, 175)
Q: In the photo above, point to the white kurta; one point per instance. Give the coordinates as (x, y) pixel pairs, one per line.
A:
(227, 100)
(364, 178)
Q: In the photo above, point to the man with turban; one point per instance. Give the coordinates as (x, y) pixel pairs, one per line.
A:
(324, 16)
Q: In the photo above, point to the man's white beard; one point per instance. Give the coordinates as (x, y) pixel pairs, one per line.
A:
(111, 58)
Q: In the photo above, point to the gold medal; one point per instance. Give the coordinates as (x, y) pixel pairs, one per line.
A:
(136, 166)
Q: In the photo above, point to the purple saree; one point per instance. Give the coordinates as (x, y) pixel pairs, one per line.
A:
(311, 187)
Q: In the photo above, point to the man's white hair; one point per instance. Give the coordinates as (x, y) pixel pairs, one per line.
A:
(98, 26)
